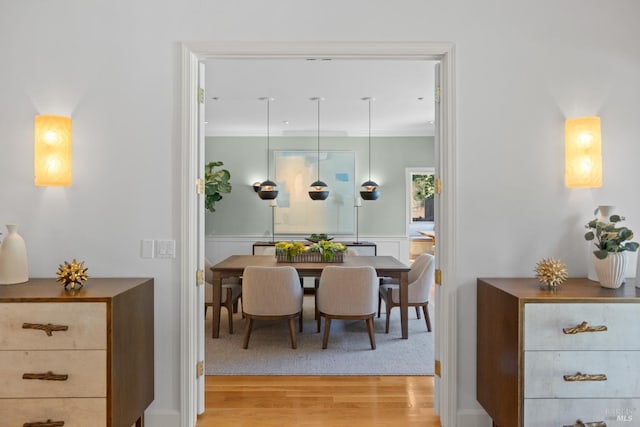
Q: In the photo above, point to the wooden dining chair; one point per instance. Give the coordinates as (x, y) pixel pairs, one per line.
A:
(231, 293)
(421, 278)
(347, 293)
(271, 293)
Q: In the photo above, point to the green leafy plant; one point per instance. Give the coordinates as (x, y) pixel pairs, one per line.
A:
(216, 183)
(609, 237)
(327, 249)
(423, 187)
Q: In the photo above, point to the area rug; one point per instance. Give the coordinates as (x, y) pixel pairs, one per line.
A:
(348, 352)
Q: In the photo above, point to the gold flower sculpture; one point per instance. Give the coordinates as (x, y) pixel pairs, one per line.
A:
(552, 272)
(71, 275)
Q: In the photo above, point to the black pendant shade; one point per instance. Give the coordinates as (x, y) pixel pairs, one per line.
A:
(267, 190)
(319, 191)
(369, 190)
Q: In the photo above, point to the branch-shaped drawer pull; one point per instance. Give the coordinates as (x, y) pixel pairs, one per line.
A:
(579, 376)
(47, 423)
(47, 376)
(583, 327)
(48, 328)
(591, 424)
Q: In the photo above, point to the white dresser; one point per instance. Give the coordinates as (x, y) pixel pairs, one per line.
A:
(550, 358)
(76, 359)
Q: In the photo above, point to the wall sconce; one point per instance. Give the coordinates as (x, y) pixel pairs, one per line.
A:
(256, 186)
(52, 151)
(583, 153)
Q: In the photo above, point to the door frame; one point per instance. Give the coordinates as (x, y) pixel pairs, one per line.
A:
(446, 317)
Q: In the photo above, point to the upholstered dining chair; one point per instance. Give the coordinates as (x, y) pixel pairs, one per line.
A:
(231, 293)
(316, 282)
(271, 293)
(347, 293)
(421, 277)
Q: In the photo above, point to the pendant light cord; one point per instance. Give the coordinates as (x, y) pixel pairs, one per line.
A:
(318, 139)
(268, 177)
(369, 139)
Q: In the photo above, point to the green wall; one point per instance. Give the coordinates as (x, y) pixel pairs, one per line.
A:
(242, 212)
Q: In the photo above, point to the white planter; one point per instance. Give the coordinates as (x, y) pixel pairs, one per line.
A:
(13, 258)
(611, 270)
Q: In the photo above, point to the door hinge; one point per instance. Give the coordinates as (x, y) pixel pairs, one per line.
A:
(200, 186)
(438, 278)
(201, 95)
(436, 368)
(438, 186)
(200, 368)
(200, 277)
(437, 94)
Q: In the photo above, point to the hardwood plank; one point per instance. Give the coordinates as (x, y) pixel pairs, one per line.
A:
(283, 401)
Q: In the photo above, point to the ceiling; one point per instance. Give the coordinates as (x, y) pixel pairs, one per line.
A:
(402, 90)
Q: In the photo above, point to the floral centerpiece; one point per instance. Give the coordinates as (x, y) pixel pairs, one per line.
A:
(290, 249)
(328, 249)
(322, 251)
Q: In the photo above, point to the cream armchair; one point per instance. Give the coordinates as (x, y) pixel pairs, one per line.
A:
(421, 278)
(347, 293)
(271, 293)
(231, 293)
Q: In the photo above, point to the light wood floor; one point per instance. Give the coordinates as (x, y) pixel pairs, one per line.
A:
(352, 401)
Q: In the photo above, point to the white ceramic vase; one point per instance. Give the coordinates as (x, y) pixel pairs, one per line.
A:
(13, 258)
(611, 270)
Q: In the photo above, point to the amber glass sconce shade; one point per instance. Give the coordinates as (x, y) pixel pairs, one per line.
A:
(583, 153)
(52, 151)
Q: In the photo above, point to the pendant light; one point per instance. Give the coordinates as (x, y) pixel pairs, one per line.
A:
(267, 189)
(319, 189)
(369, 188)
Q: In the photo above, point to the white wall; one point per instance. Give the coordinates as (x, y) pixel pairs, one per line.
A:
(522, 67)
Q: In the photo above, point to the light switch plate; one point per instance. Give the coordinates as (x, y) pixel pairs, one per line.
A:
(165, 248)
(147, 248)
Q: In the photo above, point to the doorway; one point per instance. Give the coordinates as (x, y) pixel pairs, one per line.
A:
(191, 314)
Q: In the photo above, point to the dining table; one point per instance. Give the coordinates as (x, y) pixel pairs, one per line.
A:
(385, 266)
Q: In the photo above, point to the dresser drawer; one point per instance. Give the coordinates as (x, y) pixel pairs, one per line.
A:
(544, 324)
(544, 373)
(86, 326)
(85, 370)
(565, 412)
(74, 412)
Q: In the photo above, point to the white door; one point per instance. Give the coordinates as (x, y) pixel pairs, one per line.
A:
(200, 240)
(438, 296)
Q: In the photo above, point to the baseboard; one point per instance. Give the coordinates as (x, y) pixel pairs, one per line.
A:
(473, 418)
(161, 418)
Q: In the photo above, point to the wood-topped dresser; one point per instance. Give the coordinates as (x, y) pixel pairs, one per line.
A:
(558, 358)
(76, 358)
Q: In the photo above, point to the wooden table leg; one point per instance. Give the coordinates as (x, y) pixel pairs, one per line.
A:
(140, 421)
(217, 299)
(404, 304)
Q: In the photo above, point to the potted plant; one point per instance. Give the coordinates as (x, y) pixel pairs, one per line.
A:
(612, 241)
(216, 182)
(327, 249)
(290, 249)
